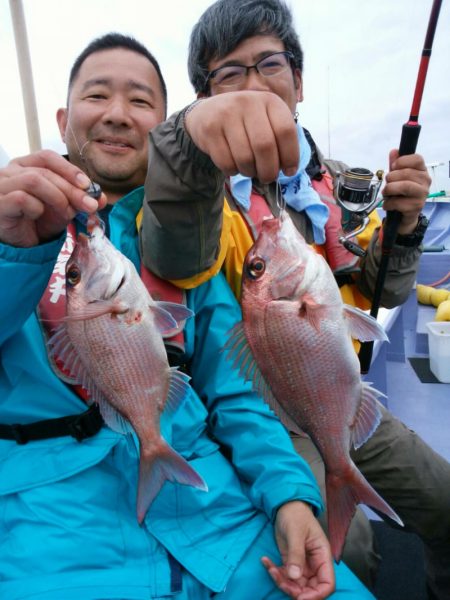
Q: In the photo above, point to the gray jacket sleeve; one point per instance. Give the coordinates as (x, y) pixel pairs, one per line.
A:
(182, 213)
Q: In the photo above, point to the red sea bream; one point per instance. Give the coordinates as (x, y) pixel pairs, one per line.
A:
(112, 344)
(295, 345)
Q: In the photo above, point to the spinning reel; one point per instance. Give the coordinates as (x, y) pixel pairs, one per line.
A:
(357, 192)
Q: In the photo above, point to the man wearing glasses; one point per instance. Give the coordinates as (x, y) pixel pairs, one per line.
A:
(217, 168)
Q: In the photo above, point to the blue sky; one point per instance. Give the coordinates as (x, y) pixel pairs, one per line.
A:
(361, 63)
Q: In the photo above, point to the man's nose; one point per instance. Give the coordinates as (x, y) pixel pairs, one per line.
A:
(117, 112)
(254, 81)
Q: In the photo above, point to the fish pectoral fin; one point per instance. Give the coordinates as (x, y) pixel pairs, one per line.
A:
(178, 311)
(164, 322)
(179, 389)
(179, 314)
(313, 311)
(362, 326)
(98, 309)
(367, 417)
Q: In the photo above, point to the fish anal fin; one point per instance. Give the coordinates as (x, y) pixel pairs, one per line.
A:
(179, 388)
(113, 419)
(362, 326)
(158, 465)
(367, 417)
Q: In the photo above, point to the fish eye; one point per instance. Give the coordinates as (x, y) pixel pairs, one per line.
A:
(73, 275)
(256, 267)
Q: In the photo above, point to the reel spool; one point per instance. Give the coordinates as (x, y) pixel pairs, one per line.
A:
(357, 192)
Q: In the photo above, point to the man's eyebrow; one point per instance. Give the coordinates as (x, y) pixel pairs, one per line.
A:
(131, 84)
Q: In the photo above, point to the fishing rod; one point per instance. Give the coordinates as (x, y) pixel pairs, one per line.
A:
(408, 145)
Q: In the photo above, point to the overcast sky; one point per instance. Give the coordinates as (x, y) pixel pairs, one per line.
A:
(361, 63)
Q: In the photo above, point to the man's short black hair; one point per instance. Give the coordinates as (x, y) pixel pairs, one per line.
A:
(227, 23)
(110, 41)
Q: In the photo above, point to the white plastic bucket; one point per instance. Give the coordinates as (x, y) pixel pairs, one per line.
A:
(439, 347)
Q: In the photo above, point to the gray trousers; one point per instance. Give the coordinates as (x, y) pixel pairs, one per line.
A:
(415, 481)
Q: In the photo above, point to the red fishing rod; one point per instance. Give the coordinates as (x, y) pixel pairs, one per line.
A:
(408, 145)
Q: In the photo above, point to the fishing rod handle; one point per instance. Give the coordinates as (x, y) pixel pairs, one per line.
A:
(408, 145)
(409, 139)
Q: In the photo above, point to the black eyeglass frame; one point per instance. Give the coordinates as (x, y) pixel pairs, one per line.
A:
(213, 73)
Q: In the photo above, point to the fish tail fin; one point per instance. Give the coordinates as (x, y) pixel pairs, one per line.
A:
(343, 495)
(157, 467)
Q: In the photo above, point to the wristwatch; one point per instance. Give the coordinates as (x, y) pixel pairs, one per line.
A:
(414, 239)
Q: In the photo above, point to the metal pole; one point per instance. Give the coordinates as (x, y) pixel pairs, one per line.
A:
(26, 76)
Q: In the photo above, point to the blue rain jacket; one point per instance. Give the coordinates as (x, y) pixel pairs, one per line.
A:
(68, 526)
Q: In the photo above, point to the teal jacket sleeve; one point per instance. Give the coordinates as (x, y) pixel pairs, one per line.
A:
(256, 442)
(24, 273)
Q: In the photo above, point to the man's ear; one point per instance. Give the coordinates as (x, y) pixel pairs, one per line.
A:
(298, 82)
(61, 119)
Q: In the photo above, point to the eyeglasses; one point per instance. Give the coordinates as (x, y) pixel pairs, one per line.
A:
(231, 76)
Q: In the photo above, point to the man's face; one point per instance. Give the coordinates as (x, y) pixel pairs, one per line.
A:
(115, 100)
(287, 85)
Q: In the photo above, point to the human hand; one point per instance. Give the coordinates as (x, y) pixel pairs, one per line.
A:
(307, 572)
(247, 132)
(407, 187)
(39, 195)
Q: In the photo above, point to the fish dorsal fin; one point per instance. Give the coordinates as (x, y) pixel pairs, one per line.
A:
(63, 350)
(179, 389)
(362, 326)
(367, 417)
(238, 350)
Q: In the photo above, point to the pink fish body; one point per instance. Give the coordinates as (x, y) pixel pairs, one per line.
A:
(299, 333)
(112, 344)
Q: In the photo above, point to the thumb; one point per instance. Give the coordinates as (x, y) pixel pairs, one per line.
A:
(295, 558)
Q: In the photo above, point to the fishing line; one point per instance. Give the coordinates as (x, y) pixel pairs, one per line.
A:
(280, 200)
(94, 190)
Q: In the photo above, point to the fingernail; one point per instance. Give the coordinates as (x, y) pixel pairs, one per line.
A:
(89, 204)
(294, 572)
(83, 180)
(291, 171)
